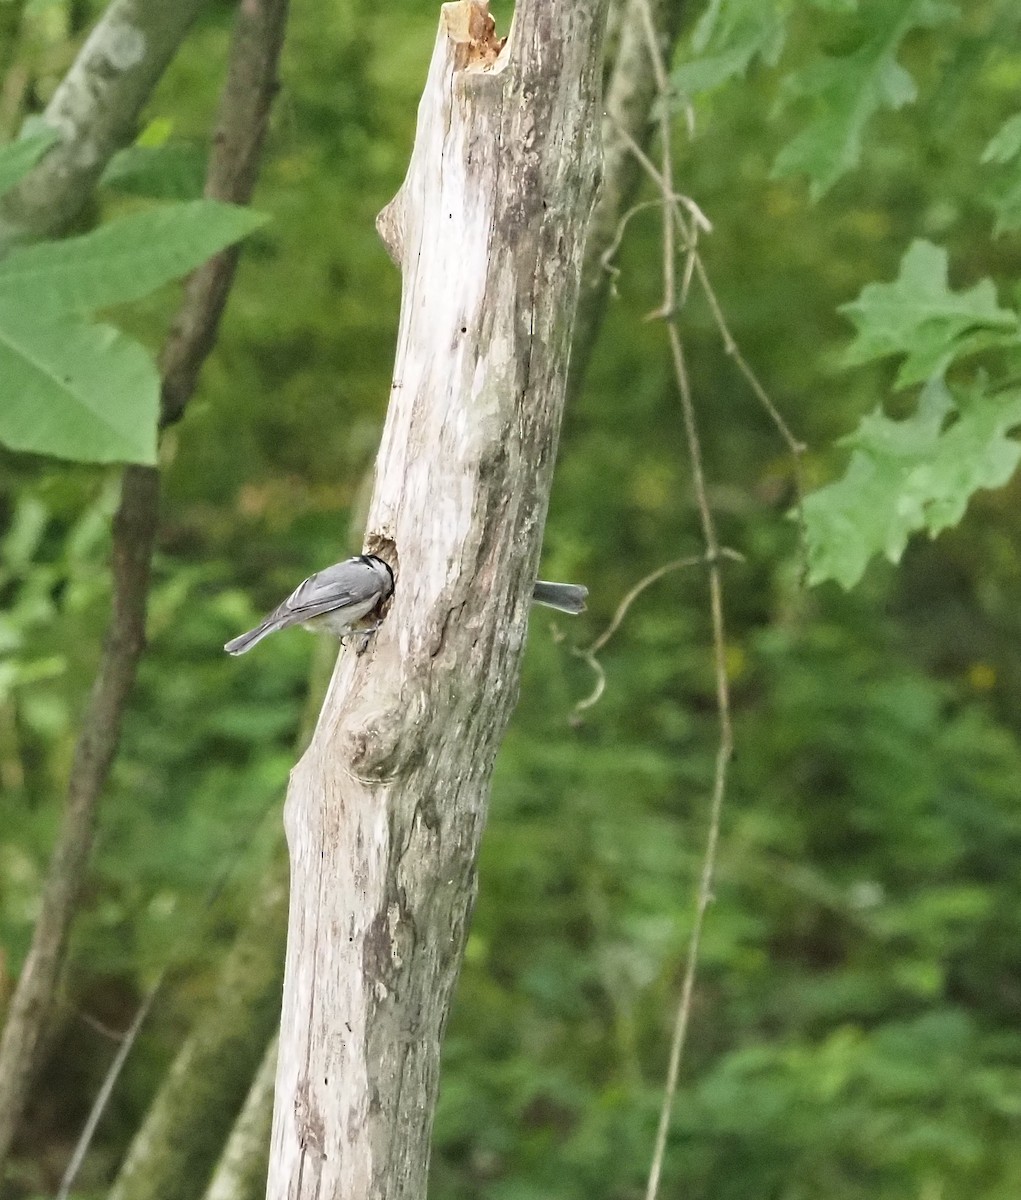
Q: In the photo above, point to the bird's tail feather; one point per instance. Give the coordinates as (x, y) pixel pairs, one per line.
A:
(565, 597)
(246, 641)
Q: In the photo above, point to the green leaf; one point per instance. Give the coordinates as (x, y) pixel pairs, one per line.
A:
(1007, 206)
(920, 317)
(18, 158)
(729, 36)
(1005, 144)
(159, 172)
(157, 133)
(122, 260)
(82, 392)
(1005, 147)
(908, 475)
(845, 91)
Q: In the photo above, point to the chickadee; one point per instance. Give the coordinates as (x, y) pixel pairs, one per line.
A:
(342, 598)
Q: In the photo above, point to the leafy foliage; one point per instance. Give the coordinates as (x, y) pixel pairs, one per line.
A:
(908, 475)
(727, 38)
(920, 317)
(1005, 148)
(844, 91)
(76, 391)
(83, 391)
(918, 473)
(18, 158)
(157, 167)
(122, 260)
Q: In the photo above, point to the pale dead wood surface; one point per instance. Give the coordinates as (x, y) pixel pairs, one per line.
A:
(385, 810)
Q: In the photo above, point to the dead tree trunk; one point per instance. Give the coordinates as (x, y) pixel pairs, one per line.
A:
(385, 809)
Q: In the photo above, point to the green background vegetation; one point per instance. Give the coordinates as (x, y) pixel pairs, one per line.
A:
(857, 1022)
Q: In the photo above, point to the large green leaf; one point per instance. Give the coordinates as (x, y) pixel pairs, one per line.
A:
(171, 172)
(77, 391)
(18, 158)
(844, 91)
(122, 260)
(84, 392)
(920, 317)
(909, 475)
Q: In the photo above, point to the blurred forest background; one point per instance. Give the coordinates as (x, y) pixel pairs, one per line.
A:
(857, 1018)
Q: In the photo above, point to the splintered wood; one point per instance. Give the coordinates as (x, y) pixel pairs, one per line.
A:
(470, 25)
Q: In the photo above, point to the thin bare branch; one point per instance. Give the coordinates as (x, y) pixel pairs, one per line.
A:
(795, 446)
(695, 265)
(673, 218)
(241, 1172)
(126, 1041)
(106, 1091)
(588, 653)
(724, 752)
(666, 154)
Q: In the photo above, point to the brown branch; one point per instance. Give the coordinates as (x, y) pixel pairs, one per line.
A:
(673, 221)
(233, 166)
(724, 752)
(241, 126)
(588, 653)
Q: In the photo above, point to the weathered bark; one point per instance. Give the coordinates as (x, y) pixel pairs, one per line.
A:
(629, 98)
(386, 808)
(248, 92)
(241, 1172)
(95, 110)
(184, 1133)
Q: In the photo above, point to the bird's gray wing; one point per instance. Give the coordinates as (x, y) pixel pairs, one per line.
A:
(335, 587)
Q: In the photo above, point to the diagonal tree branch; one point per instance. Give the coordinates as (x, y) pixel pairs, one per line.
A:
(240, 133)
(186, 1125)
(95, 110)
(241, 1172)
(251, 84)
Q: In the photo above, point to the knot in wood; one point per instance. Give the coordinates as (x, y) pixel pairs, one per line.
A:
(382, 745)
